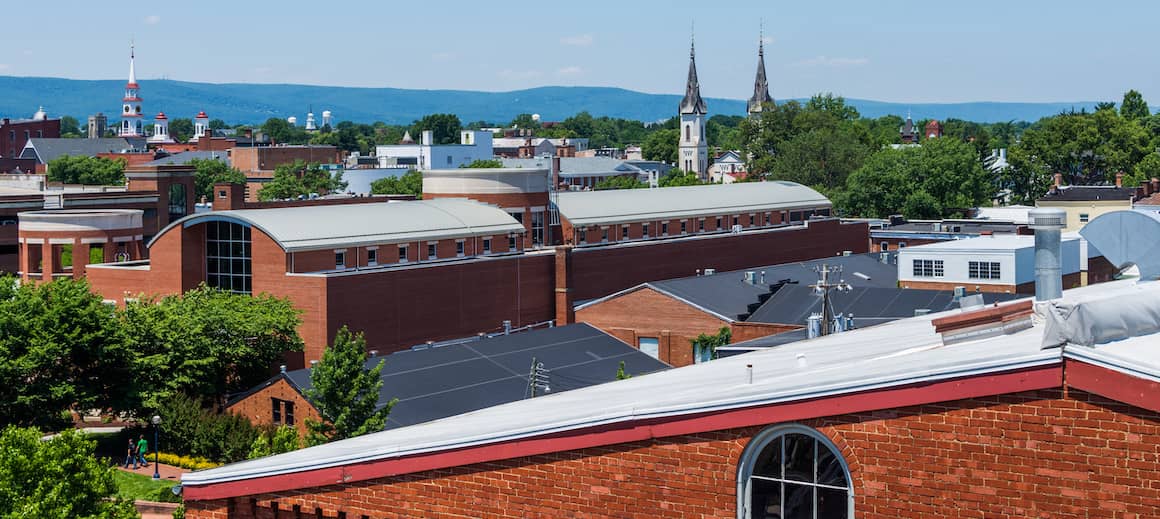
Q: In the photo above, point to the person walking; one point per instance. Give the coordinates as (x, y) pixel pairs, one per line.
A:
(142, 450)
(131, 455)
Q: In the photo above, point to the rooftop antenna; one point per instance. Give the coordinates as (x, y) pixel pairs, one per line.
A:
(823, 287)
(538, 378)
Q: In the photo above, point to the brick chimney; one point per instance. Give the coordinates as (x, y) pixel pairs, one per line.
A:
(565, 314)
(985, 322)
(1120, 179)
(229, 196)
(1058, 180)
(1155, 185)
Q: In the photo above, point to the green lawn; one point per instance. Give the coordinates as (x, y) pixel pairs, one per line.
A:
(135, 486)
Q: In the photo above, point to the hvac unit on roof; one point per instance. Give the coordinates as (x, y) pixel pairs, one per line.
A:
(750, 277)
(709, 272)
(736, 229)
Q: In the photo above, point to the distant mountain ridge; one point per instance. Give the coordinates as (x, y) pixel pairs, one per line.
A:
(254, 103)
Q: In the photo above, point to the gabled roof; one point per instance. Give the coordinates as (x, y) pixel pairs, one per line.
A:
(185, 157)
(793, 304)
(1088, 194)
(46, 150)
(730, 297)
(634, 205)
(335, 226)
(437, 382)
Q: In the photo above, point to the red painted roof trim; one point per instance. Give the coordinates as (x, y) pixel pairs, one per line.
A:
(916, 394)
(1113, 384)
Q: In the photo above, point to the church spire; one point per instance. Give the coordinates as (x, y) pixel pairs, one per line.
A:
(692, 103)
(760, 84)
(132, 68)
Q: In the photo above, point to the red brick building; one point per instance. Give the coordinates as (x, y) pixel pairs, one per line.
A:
(481, 274)
(14, 134)
(990, 413)
(259, 163)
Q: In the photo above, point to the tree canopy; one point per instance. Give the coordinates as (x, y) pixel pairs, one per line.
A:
(409, 183)
(210, 172)
(345, 393)
(484, 163)
(58, 477)
(445, 128)
(299, 179)
(661, 146)
(941, 178)
(620, 182)
(93, 171)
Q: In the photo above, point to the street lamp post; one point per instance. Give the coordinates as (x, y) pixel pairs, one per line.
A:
(156, 448)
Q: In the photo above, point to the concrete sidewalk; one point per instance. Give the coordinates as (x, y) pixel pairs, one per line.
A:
(167, 471)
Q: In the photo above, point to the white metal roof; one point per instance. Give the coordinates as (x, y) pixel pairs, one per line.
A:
(634, 205)
(994, 242)
(351, 225)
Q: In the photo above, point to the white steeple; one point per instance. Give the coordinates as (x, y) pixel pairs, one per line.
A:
(132, 124)
(693, 153)
(132, 68)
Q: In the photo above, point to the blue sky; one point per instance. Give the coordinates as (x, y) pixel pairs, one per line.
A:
(888, 50)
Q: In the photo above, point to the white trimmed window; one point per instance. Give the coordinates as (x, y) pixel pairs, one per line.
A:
(793, 471)
(402, 253)
(372, 256)
(924, 268)
(432, 251)
(340, 259)
(983, 270)
(487, 245)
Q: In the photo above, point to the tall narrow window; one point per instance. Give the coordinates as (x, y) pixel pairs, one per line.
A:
(402, 253)
(459, 249)
(432, 251)
(688, 133)
(537, 228)
(793, 471)
(227, 256)
(340, 259)
(372, 257)
(177, 200)
(644, 230)
(487, 245)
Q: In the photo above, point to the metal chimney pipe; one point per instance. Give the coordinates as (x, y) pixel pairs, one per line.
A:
(1048, 223)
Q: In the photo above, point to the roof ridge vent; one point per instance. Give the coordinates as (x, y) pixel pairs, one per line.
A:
(986, 322)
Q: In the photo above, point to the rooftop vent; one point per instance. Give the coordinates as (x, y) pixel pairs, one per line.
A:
(750, 277)
(1047, 222)
(985, 322)
(709, 272)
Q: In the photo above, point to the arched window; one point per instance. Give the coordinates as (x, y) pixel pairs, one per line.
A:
(792, 471)
(687, 129)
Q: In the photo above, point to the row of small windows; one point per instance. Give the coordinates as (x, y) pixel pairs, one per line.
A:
(925, 268)
(372, 253)
(736, 222)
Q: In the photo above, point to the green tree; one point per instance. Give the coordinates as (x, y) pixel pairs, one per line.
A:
(181, 129)
(621, 374)
(1148, 168)
(218, 124)
(282, 132)
(661, 146)
(581, 124)
(620, 182)
(59, 477)
(60, 341)
(276, 440)
(93, 171)
(676, 178)
(299, 179)
(484, 163)
(445, 128)
(206, 343)
(191, 429)
(940, 178)
(409, 183)
(345, 393)
(210, 172)
(70, 127)
(525, 121)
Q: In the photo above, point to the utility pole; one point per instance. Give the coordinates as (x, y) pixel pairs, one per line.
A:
(822, 289)
(538, 378)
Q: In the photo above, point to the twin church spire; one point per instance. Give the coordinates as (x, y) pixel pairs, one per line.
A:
(693, 103)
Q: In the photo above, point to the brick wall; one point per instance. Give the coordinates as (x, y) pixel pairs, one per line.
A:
(599, 271)
(1033, 454)
(258, 409)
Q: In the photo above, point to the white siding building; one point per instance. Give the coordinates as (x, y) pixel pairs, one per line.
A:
(990, 263)
(473, 145)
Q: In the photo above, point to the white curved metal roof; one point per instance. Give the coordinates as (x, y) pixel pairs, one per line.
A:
(352, 225)
(634, 205)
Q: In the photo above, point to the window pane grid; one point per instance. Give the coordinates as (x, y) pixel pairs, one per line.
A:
(227, 262)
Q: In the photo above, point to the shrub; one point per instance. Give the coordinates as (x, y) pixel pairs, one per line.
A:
(185, 462)
(189, 429)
